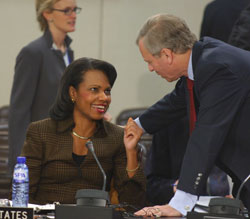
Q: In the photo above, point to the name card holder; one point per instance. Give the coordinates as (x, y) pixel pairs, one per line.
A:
(86, 212)
(16, 213)
(197, 215)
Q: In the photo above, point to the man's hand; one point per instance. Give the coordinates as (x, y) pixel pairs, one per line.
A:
(175, 186)
(159, 211)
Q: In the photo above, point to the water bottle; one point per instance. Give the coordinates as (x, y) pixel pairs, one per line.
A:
(20, 184)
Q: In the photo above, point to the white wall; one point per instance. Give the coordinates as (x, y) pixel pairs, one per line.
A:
(106, 29)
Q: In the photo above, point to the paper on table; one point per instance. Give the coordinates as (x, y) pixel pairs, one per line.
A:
(47, 207)
(203, 201)
(37, 208)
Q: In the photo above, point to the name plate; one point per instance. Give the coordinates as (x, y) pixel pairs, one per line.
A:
(16, 213)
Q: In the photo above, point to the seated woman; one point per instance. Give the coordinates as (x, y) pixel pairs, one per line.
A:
(58, 160)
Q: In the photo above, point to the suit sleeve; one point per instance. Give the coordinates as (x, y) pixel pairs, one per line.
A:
(23, 91)
(167, 110)
(221, 96)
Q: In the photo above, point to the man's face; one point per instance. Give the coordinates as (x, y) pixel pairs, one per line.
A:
(163, 64)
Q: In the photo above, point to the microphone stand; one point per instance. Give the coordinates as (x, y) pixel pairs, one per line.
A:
(90, 203)
(90, 146)
(93, 197)
(241, 186)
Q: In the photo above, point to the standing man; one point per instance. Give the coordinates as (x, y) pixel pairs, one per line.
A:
(219, 107)
(219, 17)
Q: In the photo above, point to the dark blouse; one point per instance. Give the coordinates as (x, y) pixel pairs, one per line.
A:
(78, 158)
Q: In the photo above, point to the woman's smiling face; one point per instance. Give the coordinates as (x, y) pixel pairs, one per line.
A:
(93, 95)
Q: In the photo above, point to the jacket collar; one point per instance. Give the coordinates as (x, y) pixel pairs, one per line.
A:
(68, 124)
(196, 53)
(48, 36)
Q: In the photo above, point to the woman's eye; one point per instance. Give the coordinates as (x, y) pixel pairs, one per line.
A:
(108, 92)
(94, 89)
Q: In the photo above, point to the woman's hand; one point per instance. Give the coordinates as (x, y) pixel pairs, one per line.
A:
(132, 134)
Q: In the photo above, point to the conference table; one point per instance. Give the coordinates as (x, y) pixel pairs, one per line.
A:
(73, 211)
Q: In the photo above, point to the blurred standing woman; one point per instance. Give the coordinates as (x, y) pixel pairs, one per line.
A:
(58, 159)
(38, 69)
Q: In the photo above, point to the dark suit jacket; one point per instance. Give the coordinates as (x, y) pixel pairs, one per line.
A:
(219, 17)
(164, 160)
(38, 71)
(55, 176)
(222, 130)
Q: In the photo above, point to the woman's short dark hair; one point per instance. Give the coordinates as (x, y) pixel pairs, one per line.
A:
(73, 76)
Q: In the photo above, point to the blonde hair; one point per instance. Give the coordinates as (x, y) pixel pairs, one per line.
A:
(166, 31)
(41, 6)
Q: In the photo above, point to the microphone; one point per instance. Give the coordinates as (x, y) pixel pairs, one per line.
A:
(226, 205)
(90, 146)
(221, 208)
(93, 197)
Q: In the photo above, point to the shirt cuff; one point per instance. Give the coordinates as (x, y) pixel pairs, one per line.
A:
(137, 121)
(183, 201)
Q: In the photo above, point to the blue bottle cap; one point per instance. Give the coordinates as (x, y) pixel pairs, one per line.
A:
(21, 159)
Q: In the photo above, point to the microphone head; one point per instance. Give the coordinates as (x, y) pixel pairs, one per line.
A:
(89, 145)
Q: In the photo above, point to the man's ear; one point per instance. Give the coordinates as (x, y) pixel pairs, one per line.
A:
(168, 54)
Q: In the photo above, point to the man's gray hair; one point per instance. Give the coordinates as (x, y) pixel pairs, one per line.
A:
(166, 31)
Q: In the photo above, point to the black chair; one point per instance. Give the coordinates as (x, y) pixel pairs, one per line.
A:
(4, 114)
(5, 177)
(146, 139)
(125, 114)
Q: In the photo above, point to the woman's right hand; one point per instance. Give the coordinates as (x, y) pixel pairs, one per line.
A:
(132, 134)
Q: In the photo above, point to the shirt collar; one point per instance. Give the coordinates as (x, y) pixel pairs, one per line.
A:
(190, 68)
(48, 36)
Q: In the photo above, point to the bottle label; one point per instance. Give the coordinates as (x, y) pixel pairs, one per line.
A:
(20, 175)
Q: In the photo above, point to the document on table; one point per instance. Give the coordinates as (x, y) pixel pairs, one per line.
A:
(38, 208)
(203, 202)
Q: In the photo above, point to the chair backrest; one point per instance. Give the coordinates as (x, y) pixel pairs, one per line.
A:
(125, 114)
(5, 177)
(4, 114)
